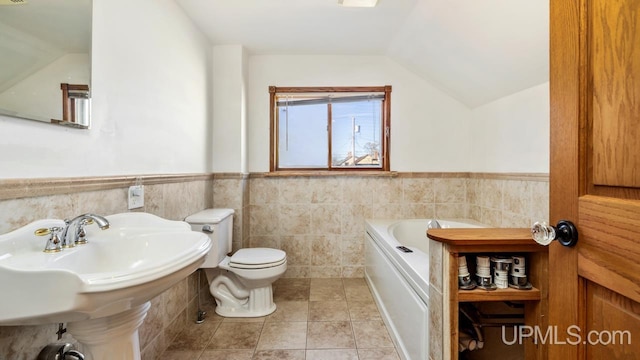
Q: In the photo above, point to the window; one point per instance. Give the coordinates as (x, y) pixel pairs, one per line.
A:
(337, 128)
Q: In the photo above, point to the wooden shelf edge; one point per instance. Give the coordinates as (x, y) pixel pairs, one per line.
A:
(509, 294)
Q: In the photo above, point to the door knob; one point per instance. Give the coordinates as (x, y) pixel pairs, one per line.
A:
(565, 232)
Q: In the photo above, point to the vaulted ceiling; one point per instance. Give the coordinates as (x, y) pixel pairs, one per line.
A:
(476, 51)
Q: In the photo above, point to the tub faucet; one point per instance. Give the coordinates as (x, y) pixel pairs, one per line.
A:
(74, 233)
(433, 224)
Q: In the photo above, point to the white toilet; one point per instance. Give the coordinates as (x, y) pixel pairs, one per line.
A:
(240, 284)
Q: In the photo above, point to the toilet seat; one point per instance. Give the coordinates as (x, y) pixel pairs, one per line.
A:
(257, 258)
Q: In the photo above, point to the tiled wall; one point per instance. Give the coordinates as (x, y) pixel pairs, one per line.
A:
(317, 220)
(232, 191)
(508, 202)
(169, 311)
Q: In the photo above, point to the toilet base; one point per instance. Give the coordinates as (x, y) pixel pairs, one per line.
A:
(234, 300)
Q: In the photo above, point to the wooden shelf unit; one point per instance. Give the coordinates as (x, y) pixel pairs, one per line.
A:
(510, 294)
(492, 241)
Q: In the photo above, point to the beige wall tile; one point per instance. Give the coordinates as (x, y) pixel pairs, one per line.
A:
(298, 249)
(517, 197)
(417, 190)
(297, 272)
(450, 211)
(491, 217)
(154, 349)
(352, 271)
(264, 220)
(358, 190)
(387, 191)
(266, 241)
(326, 219)
(294, 219)
(16, 213)
(474, 212)
(510, 220)
(183, 199)
(175, 299)
(491, 193)
(154, 199)
(352, 250)
(325, 250)
(353, 217)
(450, 190)
(264, 191)
(101, 202)
(388, 211)
(418, 211)
(176, 327)
(540, 201)
(25, 342)
(326, 190)
(153, 322)
(227, 193)
(435, 264)
(473, 191)
(436, 329)
(325, 271)
(295, 191)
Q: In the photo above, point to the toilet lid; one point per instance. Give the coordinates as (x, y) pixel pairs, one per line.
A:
(256, 258)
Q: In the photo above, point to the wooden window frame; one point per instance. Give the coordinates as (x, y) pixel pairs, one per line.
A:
(386, 125)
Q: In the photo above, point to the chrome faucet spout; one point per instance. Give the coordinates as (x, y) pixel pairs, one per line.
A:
(101, 221)
(433, 224)
(74, 231)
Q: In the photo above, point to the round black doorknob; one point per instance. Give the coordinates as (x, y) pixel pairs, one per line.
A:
(566, 233)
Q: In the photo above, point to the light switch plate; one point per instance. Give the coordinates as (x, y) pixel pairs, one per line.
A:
(136, 196)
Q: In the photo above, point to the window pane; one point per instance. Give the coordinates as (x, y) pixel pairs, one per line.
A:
(356, 138)
(302, 136)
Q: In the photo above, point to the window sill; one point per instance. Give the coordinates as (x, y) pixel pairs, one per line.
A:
(322, 173)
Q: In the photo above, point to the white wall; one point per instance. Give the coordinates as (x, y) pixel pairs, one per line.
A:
(429, 130)
(512, 134)
(229, 108)
(150, 103)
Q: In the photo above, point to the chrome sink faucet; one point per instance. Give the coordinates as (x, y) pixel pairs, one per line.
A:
(74, 233)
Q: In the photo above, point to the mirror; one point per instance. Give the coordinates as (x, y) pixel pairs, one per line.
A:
(45, 48)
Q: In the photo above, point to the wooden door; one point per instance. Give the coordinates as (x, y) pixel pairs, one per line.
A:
(594, 287)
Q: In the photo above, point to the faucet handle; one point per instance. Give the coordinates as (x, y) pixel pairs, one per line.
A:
(53, 244)
(81, 239)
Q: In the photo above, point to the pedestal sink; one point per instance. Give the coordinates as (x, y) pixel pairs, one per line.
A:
(101, 289)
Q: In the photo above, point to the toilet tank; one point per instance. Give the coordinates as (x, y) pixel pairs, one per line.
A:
(218, 225)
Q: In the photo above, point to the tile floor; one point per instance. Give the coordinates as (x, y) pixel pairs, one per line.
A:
(316, 319)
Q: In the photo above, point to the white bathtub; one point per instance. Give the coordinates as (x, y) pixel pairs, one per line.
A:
(400, 281)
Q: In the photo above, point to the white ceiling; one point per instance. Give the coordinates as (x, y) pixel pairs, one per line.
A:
(476, 51)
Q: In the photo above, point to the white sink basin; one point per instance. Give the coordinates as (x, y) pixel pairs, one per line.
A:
(137, 258)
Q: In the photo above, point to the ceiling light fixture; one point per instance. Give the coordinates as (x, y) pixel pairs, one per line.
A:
(358, 3)
(13, 2)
